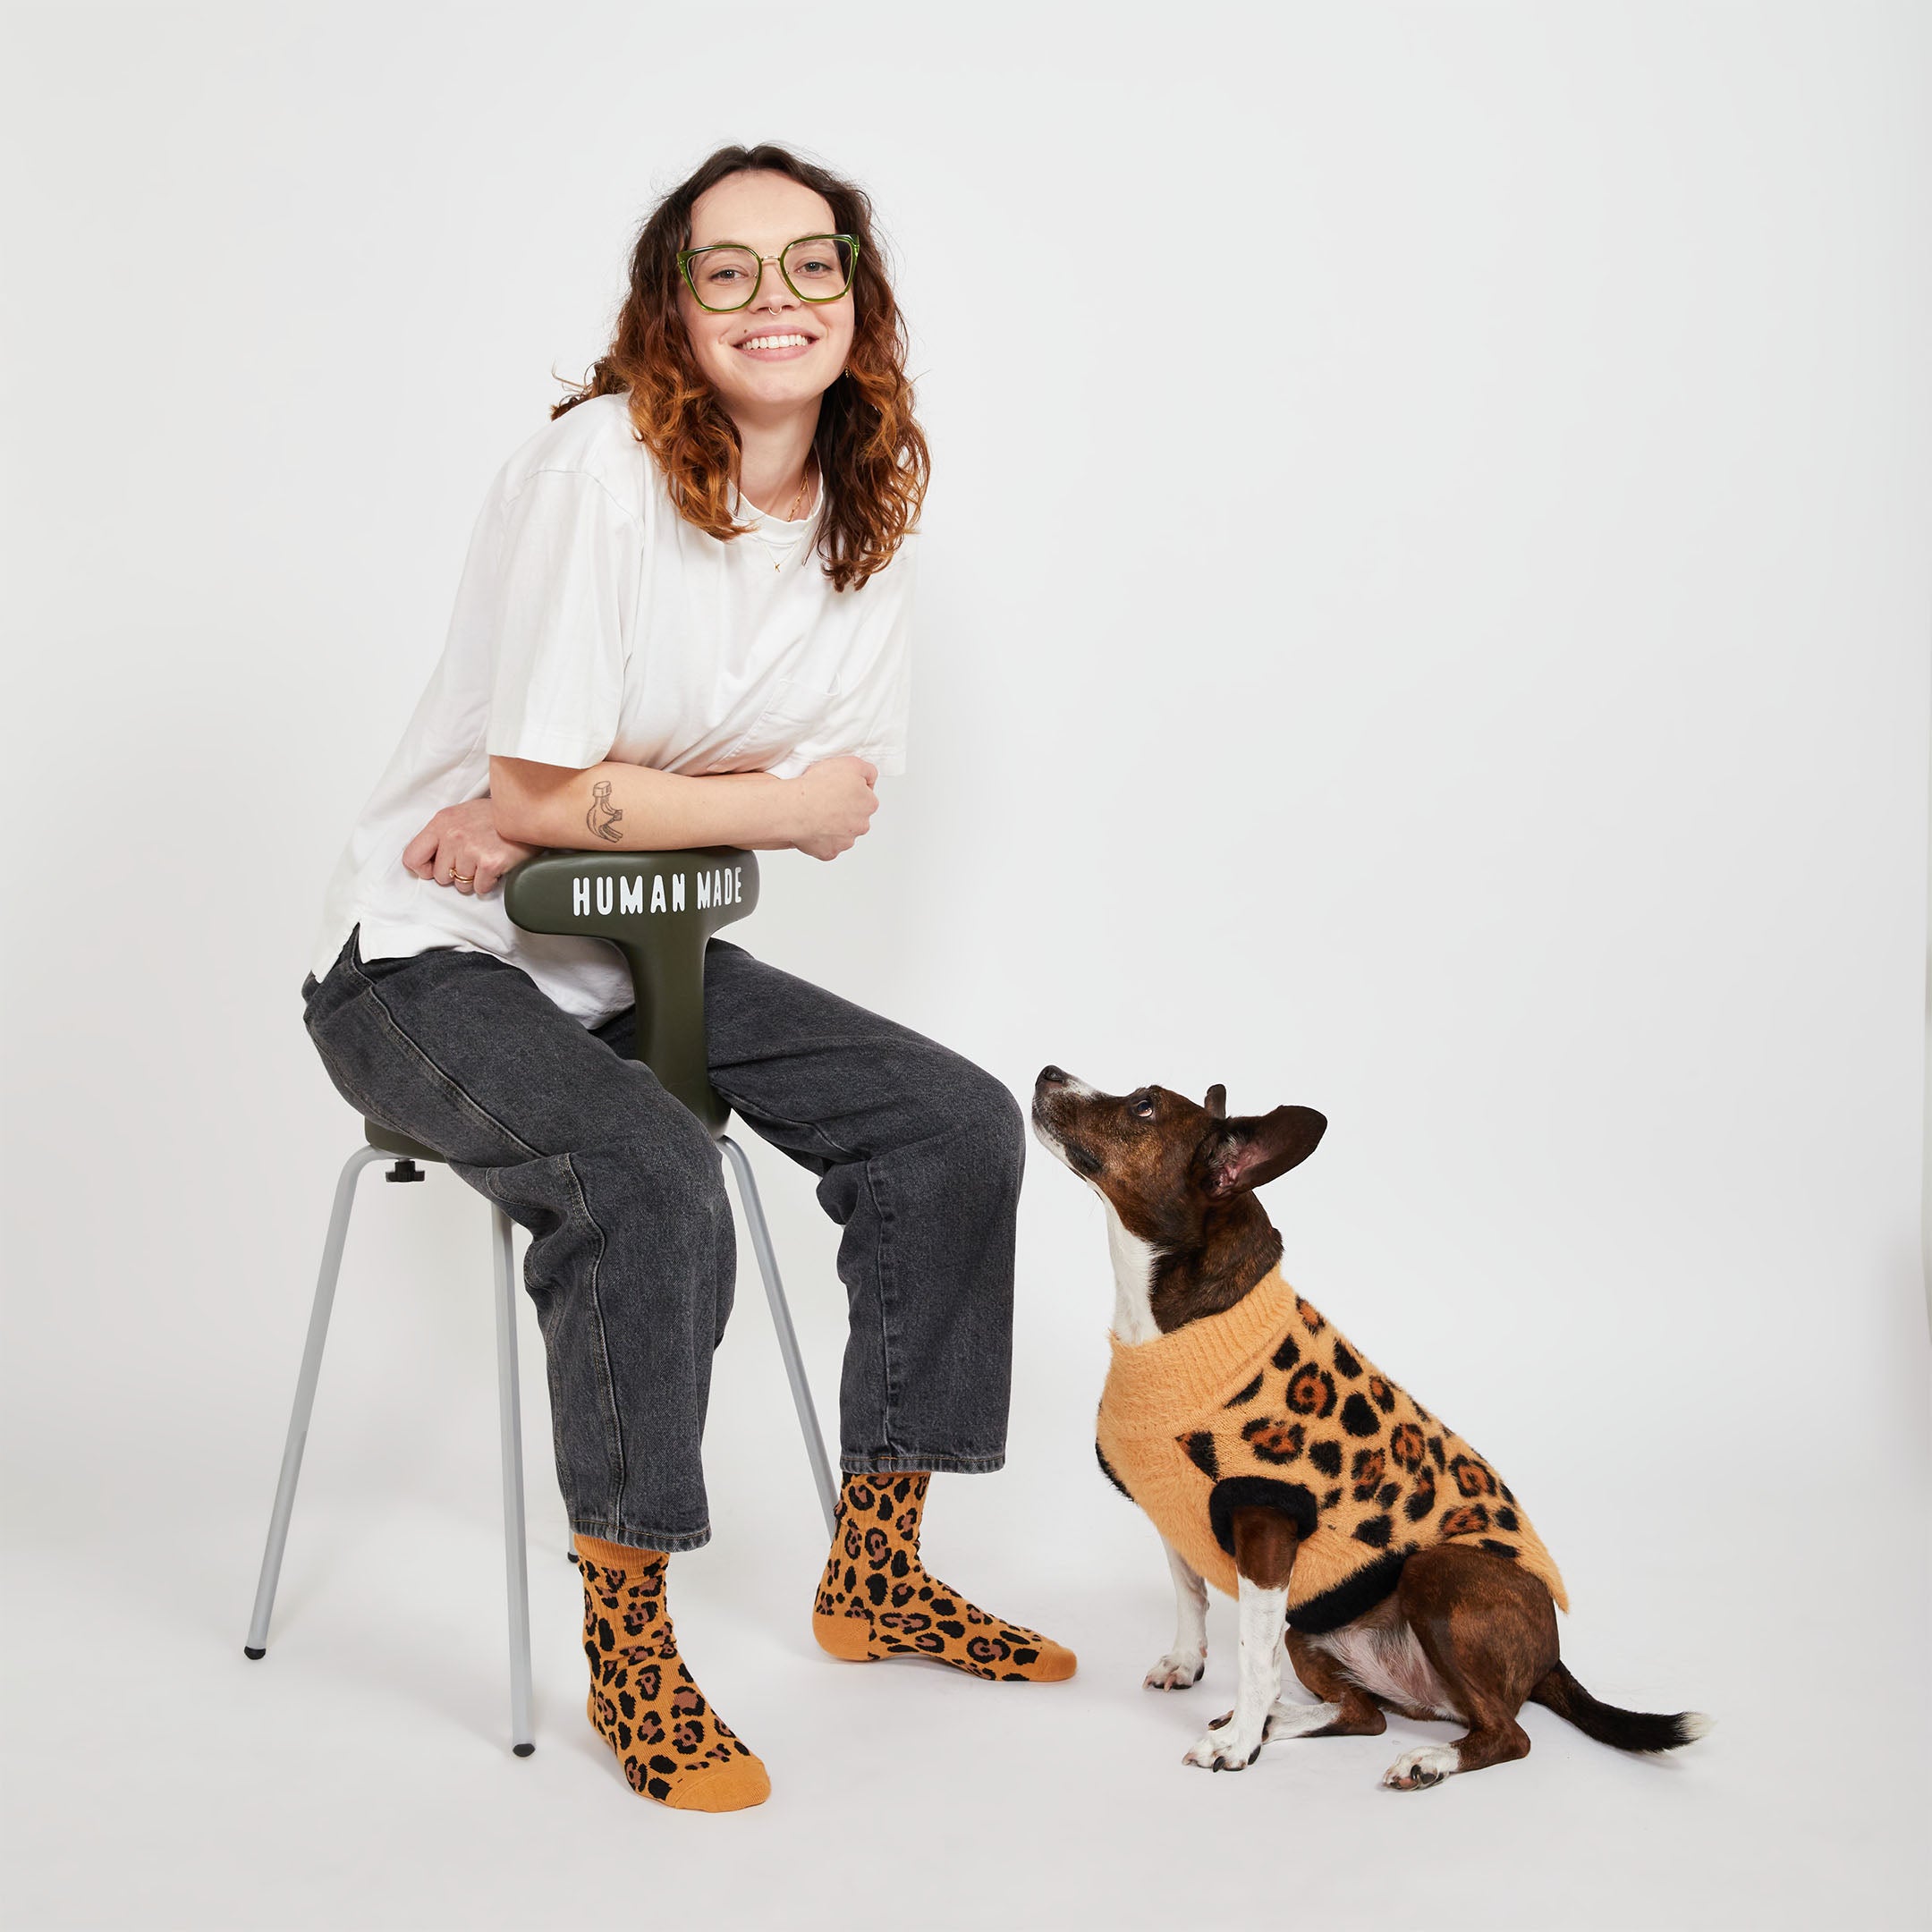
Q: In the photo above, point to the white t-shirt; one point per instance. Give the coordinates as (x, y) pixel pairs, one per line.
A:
(593, 622)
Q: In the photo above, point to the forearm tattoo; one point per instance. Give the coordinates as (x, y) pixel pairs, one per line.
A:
(603, 816)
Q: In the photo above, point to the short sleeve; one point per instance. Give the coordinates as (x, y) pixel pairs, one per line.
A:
(885, 734)
(560, 613)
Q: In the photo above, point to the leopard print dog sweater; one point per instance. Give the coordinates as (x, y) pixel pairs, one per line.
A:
(1268, 1404)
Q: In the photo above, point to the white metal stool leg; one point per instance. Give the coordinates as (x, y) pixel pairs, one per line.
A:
(516, 1569)
(781, 1315)
(305, 1388)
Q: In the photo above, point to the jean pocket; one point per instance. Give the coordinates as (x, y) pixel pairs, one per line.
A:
(377, 969)
(390, 964)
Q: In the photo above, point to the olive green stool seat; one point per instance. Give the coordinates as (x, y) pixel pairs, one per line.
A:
(387, 1140)
(658, 909)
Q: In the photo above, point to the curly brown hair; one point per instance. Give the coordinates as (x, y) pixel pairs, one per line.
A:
(871, 455)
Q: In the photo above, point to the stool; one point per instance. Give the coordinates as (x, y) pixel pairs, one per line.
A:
(658, 909)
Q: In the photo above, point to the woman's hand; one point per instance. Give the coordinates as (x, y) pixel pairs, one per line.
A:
(460, 847)
(832, 805)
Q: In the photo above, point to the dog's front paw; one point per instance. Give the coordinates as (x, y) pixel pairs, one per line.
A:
(1427, 1765)
(1227, 1745)
(1179, 1670)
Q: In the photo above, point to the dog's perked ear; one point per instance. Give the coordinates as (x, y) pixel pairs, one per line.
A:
(1216, 1101)
(1252, 1150)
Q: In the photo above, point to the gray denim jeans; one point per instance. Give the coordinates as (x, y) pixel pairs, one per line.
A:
(632, 1260)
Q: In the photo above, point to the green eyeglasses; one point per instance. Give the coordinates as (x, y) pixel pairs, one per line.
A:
(817, 268)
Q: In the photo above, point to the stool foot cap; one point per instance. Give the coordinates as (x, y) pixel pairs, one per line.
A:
(522, 1750)
(248, 1650)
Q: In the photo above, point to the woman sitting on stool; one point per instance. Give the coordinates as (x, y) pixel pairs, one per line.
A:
(645, 655)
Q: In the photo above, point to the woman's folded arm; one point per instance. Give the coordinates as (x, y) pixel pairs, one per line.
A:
(634, 808)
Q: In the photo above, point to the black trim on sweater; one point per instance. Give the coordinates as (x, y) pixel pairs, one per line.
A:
(1350, 1598)
(1259, 1492)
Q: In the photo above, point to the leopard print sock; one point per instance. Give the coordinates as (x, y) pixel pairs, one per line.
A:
(673, 1746)
(877, 1599)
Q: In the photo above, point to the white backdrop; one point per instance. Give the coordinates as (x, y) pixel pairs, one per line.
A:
(1425, 614)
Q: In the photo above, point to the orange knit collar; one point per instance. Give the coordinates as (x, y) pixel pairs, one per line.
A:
(1154, 1386)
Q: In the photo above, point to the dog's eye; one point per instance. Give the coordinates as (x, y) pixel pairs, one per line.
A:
(1143, 1106)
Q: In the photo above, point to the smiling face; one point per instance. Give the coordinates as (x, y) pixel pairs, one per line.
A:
(753, 356)
(1187, 1236)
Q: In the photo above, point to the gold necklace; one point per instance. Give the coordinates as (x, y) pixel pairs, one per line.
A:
(790, 515)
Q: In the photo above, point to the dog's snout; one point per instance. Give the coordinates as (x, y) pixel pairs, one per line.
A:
(1052, 1076)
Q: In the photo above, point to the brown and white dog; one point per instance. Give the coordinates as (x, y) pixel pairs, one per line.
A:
(1459, 1634)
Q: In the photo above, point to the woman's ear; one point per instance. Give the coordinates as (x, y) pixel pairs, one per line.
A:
(1239, 1155)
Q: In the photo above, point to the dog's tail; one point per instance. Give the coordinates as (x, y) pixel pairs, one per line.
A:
(1630, 1730)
